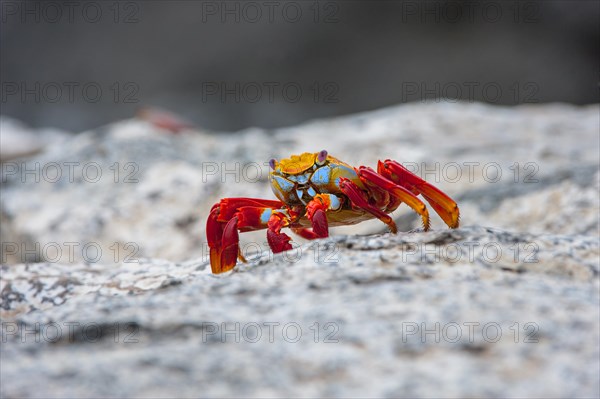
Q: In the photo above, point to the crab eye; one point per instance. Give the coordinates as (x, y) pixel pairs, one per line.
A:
(321, 157)
(272, 163)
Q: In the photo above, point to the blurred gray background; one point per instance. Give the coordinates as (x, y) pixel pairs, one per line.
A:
(231, 65)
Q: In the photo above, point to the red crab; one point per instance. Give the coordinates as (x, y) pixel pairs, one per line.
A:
(315, 191)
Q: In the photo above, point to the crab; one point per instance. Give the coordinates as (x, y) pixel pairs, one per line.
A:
(316, 191)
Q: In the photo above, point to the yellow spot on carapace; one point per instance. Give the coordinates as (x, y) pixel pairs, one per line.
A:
(297, 164)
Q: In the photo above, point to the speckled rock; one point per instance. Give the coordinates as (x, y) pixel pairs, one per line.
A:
(469, 312)
(105, 287)
(18, 140)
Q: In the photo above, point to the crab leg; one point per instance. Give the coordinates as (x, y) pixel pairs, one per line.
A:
(231, 215)
(443, 205)
(316, 212)
(214, 235)
(359, 199)
(370, 178)
(278, 241)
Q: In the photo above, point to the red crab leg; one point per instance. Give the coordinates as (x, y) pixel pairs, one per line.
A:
(359, 199)
(370, 178)
(278, 241)
(443, 205)
(231, 215)
(223, 241)
(214, 235)
(316, 211)
(229, 206)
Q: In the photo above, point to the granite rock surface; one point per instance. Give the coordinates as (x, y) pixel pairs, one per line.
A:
(505, 306)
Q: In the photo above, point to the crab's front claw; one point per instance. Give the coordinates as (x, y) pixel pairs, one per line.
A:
(316, 212)
(233, 215)
(443, 205)
(223, 241)
(319, 223)
(278, 241)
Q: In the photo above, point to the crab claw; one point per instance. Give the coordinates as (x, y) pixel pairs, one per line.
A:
(223, 241)
(234, 215)
(316, 212)
(278, 242)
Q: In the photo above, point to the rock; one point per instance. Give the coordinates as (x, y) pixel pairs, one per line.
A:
(18, 140)
(106, 288)
(414, 314)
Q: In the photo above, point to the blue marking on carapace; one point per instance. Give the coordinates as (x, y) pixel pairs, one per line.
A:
(284, 184)
(321, 175)
(301, 179)
(299, 194)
